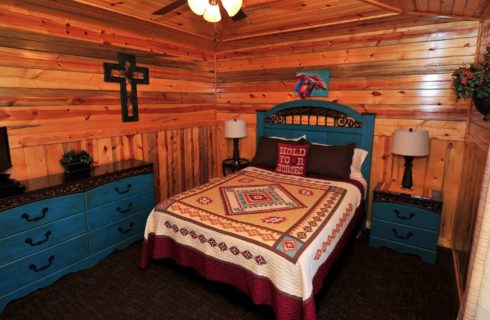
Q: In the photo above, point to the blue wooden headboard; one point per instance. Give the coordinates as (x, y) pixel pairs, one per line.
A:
(322, 122)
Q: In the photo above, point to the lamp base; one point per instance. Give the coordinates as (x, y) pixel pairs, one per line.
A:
(236, 151)
(407, 182)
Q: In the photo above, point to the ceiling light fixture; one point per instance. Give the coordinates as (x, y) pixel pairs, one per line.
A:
(212, 13)
(209, 9)
(198, 6)
(232, 6)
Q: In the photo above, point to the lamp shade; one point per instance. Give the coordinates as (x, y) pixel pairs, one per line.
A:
(409, 142)
(198, 6)
(235, 128)
(232, 6)
(212, 13)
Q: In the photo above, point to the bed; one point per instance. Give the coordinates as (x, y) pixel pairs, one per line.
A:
(275, 236)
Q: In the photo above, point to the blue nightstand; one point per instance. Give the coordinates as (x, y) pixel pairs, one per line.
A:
(406, 220)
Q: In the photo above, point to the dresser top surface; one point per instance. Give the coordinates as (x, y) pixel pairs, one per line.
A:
(59, 184)
(96, 171)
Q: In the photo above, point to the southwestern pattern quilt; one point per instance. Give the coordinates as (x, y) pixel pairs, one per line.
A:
(278, 226)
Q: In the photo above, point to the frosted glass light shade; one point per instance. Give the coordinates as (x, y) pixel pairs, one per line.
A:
(409, 142)
(232, 6)
(235, 128)
(212, 13)
(198, 6)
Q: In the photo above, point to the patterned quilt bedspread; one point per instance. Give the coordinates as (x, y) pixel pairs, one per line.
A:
(277, 226)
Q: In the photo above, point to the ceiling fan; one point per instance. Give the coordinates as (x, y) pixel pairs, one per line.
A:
(232, 7)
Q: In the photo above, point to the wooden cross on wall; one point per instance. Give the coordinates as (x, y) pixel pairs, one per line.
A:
(128, 76)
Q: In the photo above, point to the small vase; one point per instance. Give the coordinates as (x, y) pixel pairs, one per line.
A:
(482, 105)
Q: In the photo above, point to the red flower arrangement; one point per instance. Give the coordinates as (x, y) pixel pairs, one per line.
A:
(473, 81)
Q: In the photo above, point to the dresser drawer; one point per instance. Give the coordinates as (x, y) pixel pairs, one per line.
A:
(119, 209)
(29, 269)
(406, 235)
(118, 190)
(116, 232)
(407, 215)
(42, 237)
(38, 213)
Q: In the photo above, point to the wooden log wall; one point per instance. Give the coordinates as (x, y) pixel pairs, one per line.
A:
(477, 142)
(476, 147)
(53, 97)
(400, 70)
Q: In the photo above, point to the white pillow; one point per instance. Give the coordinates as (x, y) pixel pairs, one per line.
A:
(357, 160)
(290, 139)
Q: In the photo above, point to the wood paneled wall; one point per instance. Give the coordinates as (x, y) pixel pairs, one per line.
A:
(402, 73)
(477, 142)
(53, 97)
(483, 39)
(183, 157)
(476, 147)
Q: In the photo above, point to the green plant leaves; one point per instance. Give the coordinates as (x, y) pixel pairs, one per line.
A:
(73, 156)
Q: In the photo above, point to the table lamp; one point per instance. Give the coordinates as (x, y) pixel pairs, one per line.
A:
(235, 129)
(410, 143)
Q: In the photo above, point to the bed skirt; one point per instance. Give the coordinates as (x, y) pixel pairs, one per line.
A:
(260, 289)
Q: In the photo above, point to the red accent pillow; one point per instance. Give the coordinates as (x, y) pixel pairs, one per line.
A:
(292, 158)
(266, 154)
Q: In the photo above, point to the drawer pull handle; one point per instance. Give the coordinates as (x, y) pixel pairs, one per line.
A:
(46, 237)
(128, 187)
(26, 216)
(36, 269)
(408, 236)
(130, 205)
(127, 230)
(410, 216)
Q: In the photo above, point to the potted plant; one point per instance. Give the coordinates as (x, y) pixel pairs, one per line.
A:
(474, 82)
(76, 161)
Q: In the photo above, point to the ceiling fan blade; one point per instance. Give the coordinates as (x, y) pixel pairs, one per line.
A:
(240, 15)
(172, 6)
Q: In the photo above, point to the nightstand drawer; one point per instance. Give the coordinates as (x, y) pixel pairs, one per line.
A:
(34, 240)
(38, 213)
(426, 255)
(114, 233)
(118, 190)
(406, 235)
(24, 271)
(119, 209)
(407, 215)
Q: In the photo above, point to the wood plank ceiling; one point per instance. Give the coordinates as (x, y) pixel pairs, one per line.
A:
(452, 8)
(268, 17)
(181, 18)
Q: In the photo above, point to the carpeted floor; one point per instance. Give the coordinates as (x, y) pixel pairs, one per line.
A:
(367, 284)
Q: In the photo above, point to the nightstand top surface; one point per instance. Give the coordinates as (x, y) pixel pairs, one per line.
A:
(231, 162)
(416, 192)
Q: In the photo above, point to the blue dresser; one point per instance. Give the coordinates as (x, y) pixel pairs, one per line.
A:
(60, 226)
(406, 220)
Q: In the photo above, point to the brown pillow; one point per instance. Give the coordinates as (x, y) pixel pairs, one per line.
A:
(266, 154)
(330, 161)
